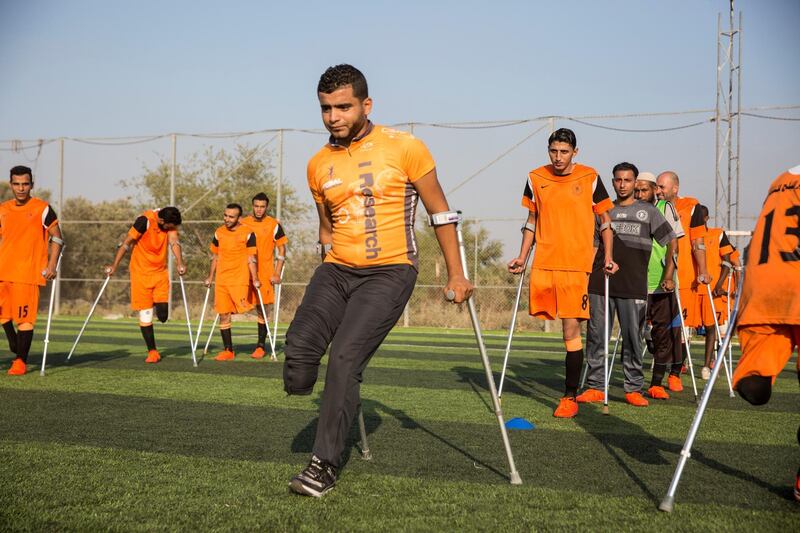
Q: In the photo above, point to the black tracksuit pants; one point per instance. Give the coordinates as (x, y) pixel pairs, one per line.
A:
(352, 310)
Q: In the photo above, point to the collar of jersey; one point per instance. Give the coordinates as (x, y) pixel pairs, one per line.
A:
(357, 139)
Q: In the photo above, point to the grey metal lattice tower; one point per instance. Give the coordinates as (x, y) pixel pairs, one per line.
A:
(727, 120)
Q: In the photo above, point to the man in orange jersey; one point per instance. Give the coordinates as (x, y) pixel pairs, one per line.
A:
(28, 225)
(769, 312)
(365, 183)
(718, 256)
(562, 199)
(692, 269)
(150, 235)
(234, 262)
(269, 236)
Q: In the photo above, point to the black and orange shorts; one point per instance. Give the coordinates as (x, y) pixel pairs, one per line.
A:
(559, 294)
(766, 348)
(19, 302)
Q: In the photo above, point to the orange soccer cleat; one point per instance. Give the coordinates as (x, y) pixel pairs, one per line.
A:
(636, 399)
(591, 396)
(224, 355)
(674, 383)
(567, 408)
(657, 392)
(258, 353)
(18, 367)
(153, 357)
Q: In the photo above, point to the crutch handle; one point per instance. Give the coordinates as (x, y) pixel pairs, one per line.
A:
(450, 295)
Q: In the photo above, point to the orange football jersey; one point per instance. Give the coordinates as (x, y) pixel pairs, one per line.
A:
(269, 235)
(694, 226)
(565, 208)
(233, 249)
(24, 244)
(149, 255)
(772, 271)
(368, 188)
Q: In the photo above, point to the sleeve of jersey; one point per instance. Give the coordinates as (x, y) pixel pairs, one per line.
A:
(601, 203)
(311, 176)
(674, 220)
(49, 218)
(251, 244)
(725, 246)
(528, 199)
(697, 226)
(214, 247)
(417, 160)
(280, 237)
(138, 228)
(660, 229)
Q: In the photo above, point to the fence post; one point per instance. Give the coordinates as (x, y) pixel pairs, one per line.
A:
(279, 186)
(57, 286)
(170, 260)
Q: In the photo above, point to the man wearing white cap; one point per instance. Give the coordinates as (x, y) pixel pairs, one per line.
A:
(662, 307)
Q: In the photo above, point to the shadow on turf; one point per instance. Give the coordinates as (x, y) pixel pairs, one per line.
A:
(614, 434)
(304, 441)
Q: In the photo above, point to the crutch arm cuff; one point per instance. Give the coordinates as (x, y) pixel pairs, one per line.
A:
(528, 227)
(444, 218)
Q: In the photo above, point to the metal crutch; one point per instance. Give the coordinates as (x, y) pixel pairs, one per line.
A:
(202, 316)
(362, 428)
(668, 502)
(188, 322)
(513, 323)
(266, 323)
(91, 312)
(50, 310)
(719, 340)
(685, 333)
(454, 217)
(728, 305)
(277, 307)
(210, 333)
(605, 348)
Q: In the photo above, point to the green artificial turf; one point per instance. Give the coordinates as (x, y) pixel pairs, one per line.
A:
(107, 442)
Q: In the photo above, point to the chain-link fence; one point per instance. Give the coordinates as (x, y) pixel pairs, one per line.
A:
(99, 186)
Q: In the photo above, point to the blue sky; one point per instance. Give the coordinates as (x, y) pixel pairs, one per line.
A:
(99, 68)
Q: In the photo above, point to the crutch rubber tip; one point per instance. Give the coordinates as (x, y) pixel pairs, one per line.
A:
(451, 295)
(366, 455)
(605, 410)
(667, 504)
(515, 479)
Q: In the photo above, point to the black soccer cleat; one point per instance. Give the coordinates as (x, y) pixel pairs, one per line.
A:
(315, 480)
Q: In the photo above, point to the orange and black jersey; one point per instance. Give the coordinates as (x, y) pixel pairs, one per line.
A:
(772, 270)
(565, 207)
(149, 254)
(692, 218)
(233, 249)
(368, 188)
(269, 235)
(23, 248)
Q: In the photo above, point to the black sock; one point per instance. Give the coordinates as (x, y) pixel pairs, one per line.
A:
(262, 334)
(24, 340)
(149, 337)
(659, 369)
(227, 342)
(11, 334)
(574, 364)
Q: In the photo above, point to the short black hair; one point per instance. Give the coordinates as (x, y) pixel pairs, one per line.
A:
(341, 76)
(20, 170)
(235, 206)
(626, 166)
(703, 210)
(262, 197)
(563, 135)
(170, 215)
